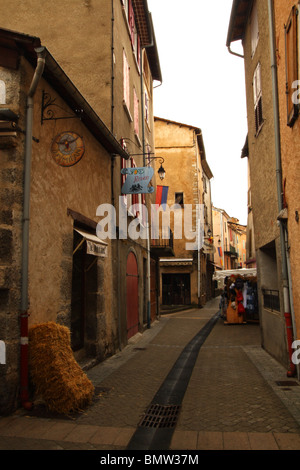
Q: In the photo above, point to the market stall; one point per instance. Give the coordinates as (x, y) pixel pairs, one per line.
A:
(238, 303)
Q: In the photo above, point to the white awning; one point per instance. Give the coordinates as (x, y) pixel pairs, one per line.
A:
(95, 246)
(244, 272)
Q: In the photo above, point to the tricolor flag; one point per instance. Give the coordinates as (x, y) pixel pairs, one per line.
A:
(220, 251)
(161, 195)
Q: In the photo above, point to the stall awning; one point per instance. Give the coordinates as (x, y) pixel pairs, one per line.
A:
(94, 245)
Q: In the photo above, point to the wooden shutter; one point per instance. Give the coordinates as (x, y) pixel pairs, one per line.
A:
(136, 113)
(257, 95)
(126, 82)
(131, 21)
(291, 64)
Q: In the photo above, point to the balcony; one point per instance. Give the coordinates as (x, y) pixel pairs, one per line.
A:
(162, 245)
(230, 250)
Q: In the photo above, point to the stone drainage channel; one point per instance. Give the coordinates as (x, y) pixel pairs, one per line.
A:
(156, 428)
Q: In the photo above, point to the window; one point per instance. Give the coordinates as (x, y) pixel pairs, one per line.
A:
(271, 300)
(179, 199)
(254, 29)
(134, 36)
(204, 184)
(291, 33)
(126, 85)
(257, 94)
(136, 112)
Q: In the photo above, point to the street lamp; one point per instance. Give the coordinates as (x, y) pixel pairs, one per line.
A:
(161, 172)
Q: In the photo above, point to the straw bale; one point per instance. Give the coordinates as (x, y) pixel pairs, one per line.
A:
(56, 375)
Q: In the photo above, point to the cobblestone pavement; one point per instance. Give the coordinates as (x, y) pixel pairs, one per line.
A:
(232, 401)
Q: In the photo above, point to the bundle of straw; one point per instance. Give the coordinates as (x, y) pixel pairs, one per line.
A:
(57, 377)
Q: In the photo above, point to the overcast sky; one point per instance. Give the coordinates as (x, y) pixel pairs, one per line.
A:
(204, 86)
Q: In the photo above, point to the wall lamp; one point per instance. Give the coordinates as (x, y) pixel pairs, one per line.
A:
(161, 171)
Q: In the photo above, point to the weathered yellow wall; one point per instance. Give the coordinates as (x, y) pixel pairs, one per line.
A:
(87, 38)
(77, 34)
(261, 148)
(177, 144)
(54, 189)
(290, 151)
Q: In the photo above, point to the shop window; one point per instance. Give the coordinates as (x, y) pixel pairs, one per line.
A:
(257, 94)
(179, 199)
(291, 47)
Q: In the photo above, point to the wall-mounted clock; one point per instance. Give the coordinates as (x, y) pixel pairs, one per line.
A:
(67, 148)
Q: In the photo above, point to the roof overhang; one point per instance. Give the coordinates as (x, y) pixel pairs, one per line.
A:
(56, 77)
(145, 29)
(238, 19)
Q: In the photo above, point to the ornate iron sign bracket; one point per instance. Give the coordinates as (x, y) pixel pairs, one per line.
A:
(48, 114)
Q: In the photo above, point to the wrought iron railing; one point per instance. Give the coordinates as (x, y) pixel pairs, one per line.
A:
(163, 239)
(271, 300)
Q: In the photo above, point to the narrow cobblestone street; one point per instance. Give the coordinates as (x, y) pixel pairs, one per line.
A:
(232, 400)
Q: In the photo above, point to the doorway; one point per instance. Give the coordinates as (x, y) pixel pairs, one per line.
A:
(176, 289)
(84, 298)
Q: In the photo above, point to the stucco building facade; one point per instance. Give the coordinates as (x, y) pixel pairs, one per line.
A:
(108, 49)
(53, 266)
(100, 92)
(186, 278)
(229, 239)
(287, 31)
(268, 144)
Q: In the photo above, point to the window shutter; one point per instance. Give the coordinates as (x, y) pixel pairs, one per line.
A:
(136, 113)
(131, 21)
(126, 85)
(257, 96)
(138, 52)
(291, 65)
(254, 30)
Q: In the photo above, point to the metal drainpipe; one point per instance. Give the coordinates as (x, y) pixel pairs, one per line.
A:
(112, 66)
(234, 53)
(289, 316)
(148, 228)
(40, 51)
(144, 164)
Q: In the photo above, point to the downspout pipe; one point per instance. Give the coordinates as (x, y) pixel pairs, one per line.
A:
(289, 317)
(24, 394)
(234, 53)
(148, 275)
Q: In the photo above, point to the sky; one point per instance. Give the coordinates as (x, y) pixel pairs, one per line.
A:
(204, 86)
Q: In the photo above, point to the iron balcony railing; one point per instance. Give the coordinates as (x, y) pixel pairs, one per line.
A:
(163, 240)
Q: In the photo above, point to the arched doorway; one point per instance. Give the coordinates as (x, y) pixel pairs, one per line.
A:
(132, 297)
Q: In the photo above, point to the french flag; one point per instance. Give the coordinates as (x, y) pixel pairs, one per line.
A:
(161, 196)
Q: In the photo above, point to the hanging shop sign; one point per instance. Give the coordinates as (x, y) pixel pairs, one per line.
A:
(137, 180)
(94, 246)
(67, 149)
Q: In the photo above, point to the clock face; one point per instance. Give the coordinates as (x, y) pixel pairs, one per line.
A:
(67, 148)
